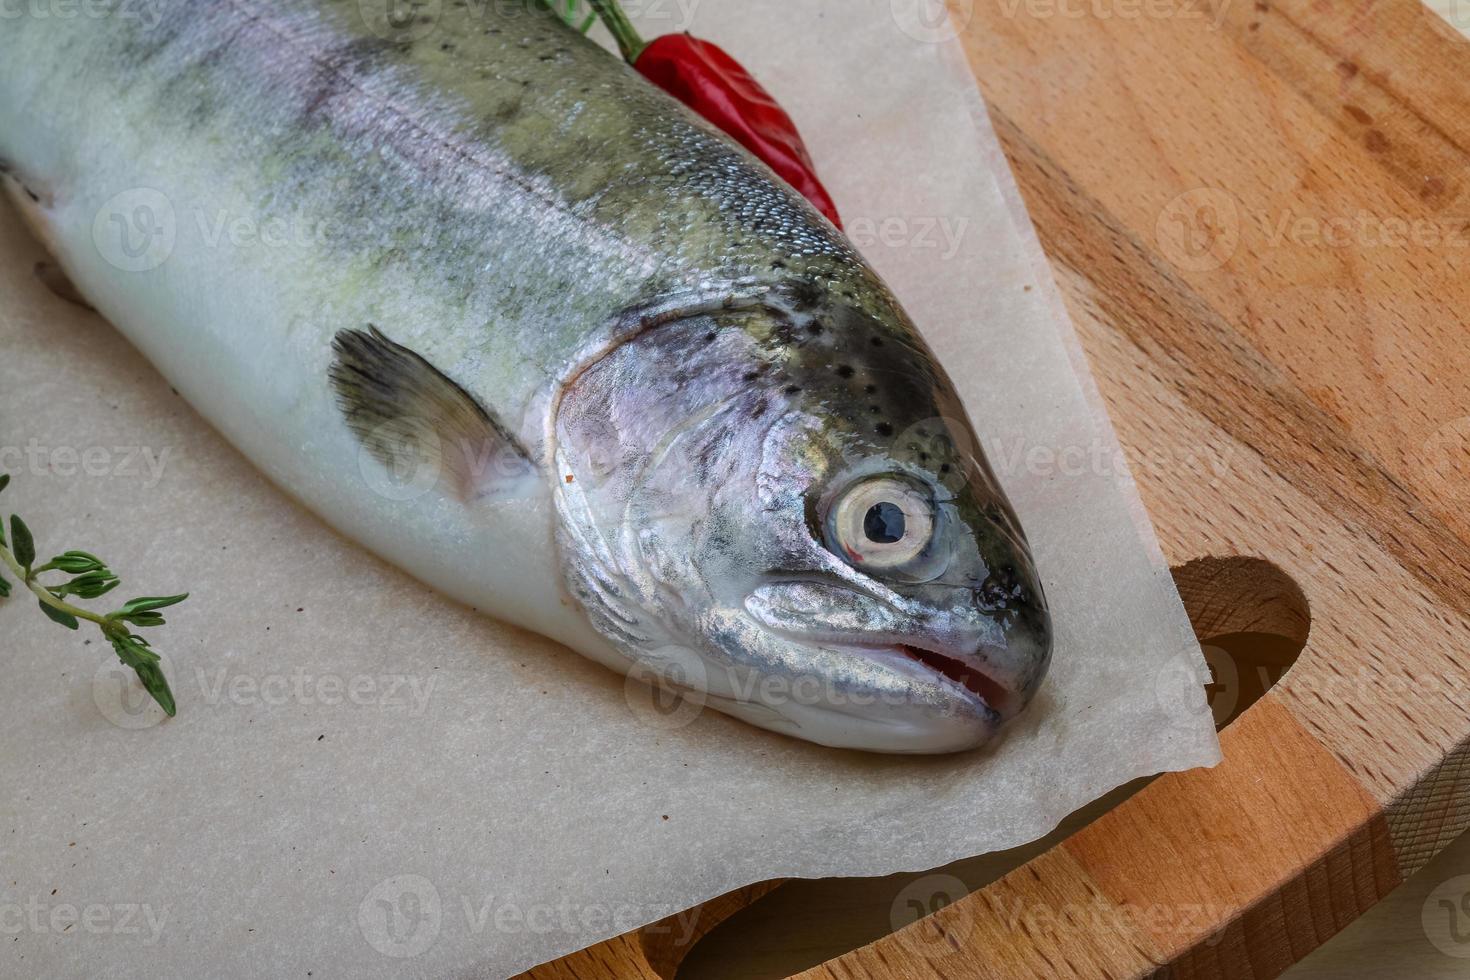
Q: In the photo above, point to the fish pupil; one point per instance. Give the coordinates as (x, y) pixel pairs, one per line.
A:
(884, 523)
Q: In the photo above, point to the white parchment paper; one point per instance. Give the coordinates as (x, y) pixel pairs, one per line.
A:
(366, 780)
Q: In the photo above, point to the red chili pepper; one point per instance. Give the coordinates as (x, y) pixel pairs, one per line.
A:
(704, 77)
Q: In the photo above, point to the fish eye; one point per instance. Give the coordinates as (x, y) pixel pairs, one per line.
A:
(881, 525)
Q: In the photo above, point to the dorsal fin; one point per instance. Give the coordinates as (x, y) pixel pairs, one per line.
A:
(409, 415)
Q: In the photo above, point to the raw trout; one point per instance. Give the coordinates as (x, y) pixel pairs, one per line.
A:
(492, 305)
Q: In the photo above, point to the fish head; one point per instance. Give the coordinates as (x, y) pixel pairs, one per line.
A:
(797, 524)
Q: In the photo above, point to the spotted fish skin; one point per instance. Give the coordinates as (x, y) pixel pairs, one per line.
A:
(235, 183)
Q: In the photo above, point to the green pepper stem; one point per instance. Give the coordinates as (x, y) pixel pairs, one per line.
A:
(622, 29)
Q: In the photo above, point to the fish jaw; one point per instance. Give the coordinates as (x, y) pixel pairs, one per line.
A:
(692, 521)
(870, 699)
(949, 678)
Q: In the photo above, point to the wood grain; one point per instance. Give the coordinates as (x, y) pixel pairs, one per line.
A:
(1242, 595)
(655, 951)
(1257, 215)
(1283, 856)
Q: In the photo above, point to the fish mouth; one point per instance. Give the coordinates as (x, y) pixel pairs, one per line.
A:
(954, 669)
(950, 666)
(966, 675)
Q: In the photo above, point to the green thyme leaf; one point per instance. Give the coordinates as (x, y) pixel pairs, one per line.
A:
(77, 562)
(57, 616)
(157, 685)
(91, 579)
(25, 545)
(91, 585)
(148, 604)
(570, 12)
(133, 652)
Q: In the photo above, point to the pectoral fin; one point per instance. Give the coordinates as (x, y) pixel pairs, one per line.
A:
(409, 415)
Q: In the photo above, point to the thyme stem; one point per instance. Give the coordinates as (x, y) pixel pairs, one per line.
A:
(41, 592)
(92, 579)
(621, 28)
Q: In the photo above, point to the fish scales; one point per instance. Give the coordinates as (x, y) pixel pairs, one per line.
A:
(559, 260)
(482, 151)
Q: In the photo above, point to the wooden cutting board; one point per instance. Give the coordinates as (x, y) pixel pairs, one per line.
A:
(1259, 214)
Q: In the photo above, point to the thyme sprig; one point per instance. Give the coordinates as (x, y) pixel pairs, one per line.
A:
(571, 11)
(91, 579)
(581, 15)
(620, 27)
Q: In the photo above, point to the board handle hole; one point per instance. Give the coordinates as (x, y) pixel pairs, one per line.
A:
(1251, 618)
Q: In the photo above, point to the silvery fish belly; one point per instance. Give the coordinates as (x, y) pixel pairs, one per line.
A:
(489, 303)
